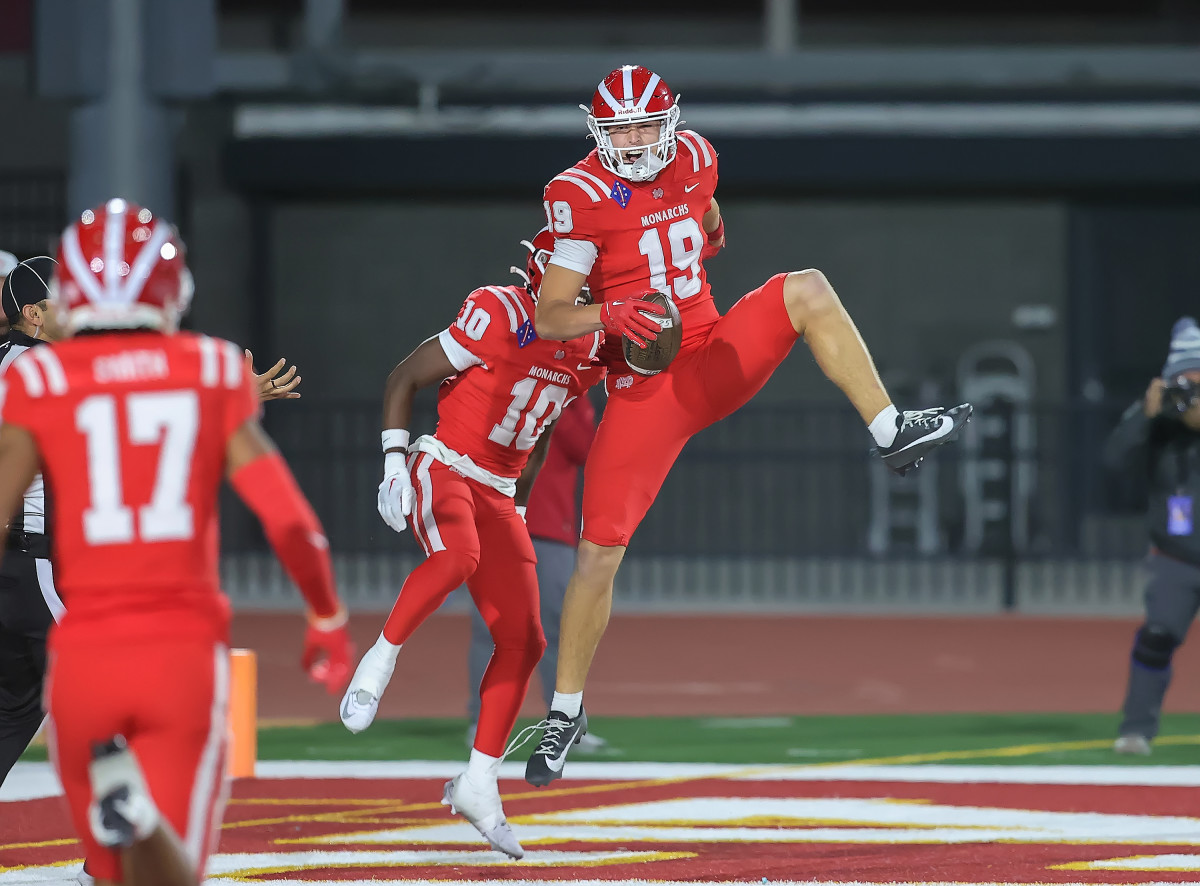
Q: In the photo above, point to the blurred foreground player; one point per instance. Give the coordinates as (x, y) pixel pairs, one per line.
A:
(501, 386)
(135, 424)
(635, 218)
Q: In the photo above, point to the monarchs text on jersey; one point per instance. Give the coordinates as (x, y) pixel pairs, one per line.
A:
(511, 384)
(628, 237)
(132, 430)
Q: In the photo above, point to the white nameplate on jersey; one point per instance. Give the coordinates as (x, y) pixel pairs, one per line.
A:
(130, 366)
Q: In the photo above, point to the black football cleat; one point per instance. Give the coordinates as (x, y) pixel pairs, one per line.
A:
(917, 433)
(550, 756)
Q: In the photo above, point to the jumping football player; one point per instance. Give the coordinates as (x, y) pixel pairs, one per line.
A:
(638, 215)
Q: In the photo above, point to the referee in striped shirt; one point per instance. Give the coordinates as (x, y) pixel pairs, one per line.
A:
(29, 605)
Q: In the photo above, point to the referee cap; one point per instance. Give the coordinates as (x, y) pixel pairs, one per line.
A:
(27, 284)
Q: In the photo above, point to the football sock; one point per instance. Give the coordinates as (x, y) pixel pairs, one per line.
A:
(569, 703)
(385, 650)
(884, 427)
(483, 768)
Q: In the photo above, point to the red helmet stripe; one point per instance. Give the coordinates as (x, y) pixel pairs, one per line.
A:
(78, 266)
(148, 257)
(114, 248)
(648, 93)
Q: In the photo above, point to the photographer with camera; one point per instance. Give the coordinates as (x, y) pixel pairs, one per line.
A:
(1156, 447)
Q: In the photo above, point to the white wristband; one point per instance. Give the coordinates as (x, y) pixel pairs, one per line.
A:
(395, 438)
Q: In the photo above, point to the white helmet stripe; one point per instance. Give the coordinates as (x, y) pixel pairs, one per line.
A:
(608, 98)
(114, 247)
(579, 183)
(627, 85)
(78, 266)
(645, 99)
(147, 258)
(687, 143)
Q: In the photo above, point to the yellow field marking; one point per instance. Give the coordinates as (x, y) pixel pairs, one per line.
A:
(66, 841)
(249, 874)
(308, 801)
(42, 864)
(1021, 750)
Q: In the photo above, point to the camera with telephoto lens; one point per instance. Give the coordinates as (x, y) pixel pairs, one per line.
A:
(1179, 395)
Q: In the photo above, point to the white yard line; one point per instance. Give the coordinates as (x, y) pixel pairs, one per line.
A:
(33, 780)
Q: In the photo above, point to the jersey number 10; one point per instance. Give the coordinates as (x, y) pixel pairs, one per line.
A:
(531, 421)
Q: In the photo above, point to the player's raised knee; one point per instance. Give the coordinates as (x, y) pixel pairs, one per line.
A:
(597, 564)
(808, 294)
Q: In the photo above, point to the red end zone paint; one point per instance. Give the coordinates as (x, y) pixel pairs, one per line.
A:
(687, 830)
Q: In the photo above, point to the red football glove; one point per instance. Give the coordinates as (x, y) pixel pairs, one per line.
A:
(628, 318)
(328, 652)
(716, 240)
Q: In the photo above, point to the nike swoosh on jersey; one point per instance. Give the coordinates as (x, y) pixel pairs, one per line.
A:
(583, 366)
(687, 189)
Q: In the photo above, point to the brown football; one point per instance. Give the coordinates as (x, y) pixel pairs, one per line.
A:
(657, 355)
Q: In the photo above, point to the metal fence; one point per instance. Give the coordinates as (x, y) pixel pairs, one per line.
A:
(783, 508)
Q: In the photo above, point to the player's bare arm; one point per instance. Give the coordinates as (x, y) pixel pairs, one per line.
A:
(714, 229)
(559, 317)
(18, 465)
(426, 366)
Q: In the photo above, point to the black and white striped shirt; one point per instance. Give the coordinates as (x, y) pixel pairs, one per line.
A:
(33, 516)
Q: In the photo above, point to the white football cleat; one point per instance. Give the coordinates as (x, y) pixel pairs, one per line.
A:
(122, 811)
(360, 704)
(1132, 744)
(481, 807)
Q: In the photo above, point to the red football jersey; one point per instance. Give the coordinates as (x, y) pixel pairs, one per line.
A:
(132, 430)
(510, 383)
(647, 235)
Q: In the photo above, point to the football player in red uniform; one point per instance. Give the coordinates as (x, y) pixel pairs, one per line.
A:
(638, 215)
(135, 426)
(501, 386)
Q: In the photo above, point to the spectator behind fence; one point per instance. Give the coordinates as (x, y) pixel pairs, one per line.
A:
(1156, 450)
(553, 519)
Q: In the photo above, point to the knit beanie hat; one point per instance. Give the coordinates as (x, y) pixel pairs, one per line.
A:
(1185, 348)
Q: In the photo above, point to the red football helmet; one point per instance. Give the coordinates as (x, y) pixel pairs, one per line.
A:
(541, 247)
(633, 94)
(119, 267)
